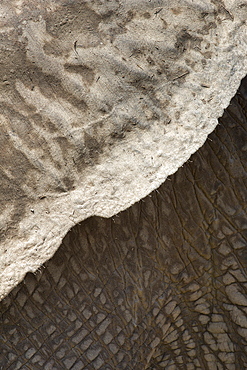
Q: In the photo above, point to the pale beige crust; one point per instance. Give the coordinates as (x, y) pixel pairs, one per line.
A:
(99, 102)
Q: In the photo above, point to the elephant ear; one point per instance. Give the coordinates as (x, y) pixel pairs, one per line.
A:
(100, 102)
(161, 285)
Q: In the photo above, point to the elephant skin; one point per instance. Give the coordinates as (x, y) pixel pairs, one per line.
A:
(162, 285)
(99, 102)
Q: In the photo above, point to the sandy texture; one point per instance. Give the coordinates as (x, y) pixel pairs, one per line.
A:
(100, 102)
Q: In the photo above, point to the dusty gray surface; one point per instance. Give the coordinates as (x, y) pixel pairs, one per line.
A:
(162, 285)
(100, 101)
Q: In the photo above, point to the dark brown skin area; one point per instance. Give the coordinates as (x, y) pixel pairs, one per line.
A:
(162, 285)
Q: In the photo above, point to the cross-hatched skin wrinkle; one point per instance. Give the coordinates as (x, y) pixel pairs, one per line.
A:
(161, 285)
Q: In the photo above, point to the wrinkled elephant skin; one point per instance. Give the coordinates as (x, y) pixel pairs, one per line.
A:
(161, 285)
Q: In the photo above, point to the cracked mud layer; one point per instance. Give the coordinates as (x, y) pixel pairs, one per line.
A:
(162, 285)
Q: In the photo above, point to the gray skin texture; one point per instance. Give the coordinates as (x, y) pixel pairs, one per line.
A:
(161, 285)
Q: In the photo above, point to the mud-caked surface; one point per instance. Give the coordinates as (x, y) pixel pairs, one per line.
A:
(99, 102)
(162, 285)
(77, 77)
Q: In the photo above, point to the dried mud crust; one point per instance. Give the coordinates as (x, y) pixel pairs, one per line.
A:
(161, 285)
(99, 102)
(78, 76)
(58, 56)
